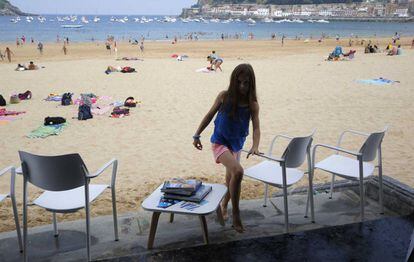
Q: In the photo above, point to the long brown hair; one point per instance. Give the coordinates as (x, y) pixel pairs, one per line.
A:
(233, 96)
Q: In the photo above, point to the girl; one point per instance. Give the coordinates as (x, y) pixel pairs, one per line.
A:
(234, 107)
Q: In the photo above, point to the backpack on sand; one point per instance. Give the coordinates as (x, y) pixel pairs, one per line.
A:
(2, 101)
(84, 112)
(66, 99)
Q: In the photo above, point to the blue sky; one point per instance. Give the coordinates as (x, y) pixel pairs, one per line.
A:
(147, 7)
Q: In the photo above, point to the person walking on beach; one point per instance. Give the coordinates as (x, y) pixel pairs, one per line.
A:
(141, 47)
(412, 44)
(234, 108)
(283, 39)
(65, 49)
(1, 56)
(8, 53)
(40, 47)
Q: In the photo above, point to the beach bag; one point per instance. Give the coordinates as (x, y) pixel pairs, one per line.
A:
(128, 69)
(26, 95)
(119, 112)
(14, 99)
(130, 102)
(2, 101)
(54, 120)
(84, 112)
(66, 99)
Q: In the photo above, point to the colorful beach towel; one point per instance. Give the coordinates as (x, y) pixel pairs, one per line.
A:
(4, 120)
(54, 97)
(378, 81)
(45, 131)
(4, 112)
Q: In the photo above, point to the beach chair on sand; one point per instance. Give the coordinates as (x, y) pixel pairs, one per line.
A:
(65, 180)
(283, 172)
(360, 169)
(13, 200)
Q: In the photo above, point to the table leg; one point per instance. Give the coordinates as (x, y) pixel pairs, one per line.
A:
(204, 228)
(172, 217)
(153, 229)
(220, 216)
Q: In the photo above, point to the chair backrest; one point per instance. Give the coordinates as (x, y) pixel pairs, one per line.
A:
(54, 173)
(370, 147)
(295, 153)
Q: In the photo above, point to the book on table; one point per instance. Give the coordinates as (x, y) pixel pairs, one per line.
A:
(197, 196)
(180, 186)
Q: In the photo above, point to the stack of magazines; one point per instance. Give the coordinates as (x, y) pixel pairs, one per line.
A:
(187, 190)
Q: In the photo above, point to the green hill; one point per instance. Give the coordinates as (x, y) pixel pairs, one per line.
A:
(8, 9)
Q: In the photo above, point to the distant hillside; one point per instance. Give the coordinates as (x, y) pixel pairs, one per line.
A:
(274, 2)
(8, 9)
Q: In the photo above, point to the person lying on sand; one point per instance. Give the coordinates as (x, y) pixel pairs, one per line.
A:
(32, 66)
(125, 69)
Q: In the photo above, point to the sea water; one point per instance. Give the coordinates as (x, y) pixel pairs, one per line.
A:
(156, 28)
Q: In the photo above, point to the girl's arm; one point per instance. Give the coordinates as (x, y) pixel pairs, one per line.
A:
(256, 130)
(207, 119)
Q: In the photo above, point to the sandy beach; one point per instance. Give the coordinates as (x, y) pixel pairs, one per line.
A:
(298, 91)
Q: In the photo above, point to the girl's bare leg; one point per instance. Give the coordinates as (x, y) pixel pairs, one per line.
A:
(225, 201)
(236, 176)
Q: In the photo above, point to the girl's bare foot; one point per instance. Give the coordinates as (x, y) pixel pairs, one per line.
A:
(224, 212)
(237, 225)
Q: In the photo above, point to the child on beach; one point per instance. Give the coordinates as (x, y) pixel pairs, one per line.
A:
(235, 107)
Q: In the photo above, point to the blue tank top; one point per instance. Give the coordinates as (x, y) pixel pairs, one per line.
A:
(229, 131)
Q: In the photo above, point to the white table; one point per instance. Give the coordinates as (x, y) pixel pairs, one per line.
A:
(213, 205)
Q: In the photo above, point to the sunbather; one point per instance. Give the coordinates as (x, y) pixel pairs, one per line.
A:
(32, 66)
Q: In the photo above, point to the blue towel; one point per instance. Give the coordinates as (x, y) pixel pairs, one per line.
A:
(378, 81)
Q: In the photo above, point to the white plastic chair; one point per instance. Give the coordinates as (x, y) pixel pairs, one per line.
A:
(359, 169)
(13, 199)
(283, 172)
(65, 180)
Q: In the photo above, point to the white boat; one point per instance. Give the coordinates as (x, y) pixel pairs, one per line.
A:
(322, 21)
(215, 20)
(41, 19)
(96, 19)
(267, 20)
(71, 26)
(84, 20)
(14, 20)
(250, 21)
(297, 21)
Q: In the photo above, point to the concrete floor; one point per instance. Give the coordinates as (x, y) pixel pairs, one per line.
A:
(185, 231)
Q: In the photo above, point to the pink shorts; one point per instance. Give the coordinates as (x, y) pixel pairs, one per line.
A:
(218, 150)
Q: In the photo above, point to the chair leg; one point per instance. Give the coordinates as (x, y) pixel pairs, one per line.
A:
(285, 200)
(307, 204)
(25, 221)
(88, 236)
(361, 189)
(332, 186)
(16, 221)
(55, 229)
(265, 195)
(114, 213)
(381, 192)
